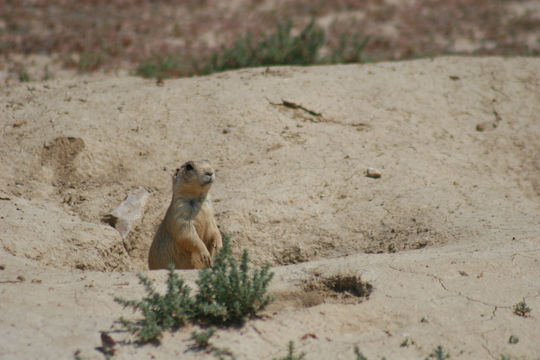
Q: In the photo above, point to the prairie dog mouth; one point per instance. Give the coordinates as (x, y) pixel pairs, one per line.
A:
(208, 179)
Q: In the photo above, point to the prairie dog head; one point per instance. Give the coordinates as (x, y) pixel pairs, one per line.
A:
(193, 179)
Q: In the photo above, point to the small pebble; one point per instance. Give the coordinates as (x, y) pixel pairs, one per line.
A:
(373, 173)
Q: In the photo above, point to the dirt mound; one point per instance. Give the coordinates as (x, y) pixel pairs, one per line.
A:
(291, 152)
(49, 236)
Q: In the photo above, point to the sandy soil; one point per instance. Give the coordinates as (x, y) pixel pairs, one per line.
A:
(450, 233)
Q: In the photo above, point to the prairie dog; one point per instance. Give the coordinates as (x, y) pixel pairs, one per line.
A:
(188, 236)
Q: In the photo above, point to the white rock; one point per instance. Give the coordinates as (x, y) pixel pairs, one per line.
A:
(128, 212)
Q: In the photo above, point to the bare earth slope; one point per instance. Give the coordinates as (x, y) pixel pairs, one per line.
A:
(291, 187)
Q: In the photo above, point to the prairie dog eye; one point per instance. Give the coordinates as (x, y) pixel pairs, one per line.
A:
(189, 167)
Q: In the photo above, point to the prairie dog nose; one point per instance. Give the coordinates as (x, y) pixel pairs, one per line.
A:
(208, 177)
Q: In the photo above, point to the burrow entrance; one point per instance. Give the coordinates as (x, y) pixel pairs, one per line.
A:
(335, 289)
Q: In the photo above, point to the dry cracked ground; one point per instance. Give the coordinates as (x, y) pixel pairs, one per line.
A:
(448, 237)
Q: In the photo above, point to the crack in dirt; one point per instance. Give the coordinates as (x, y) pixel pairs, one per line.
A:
(440, 281)
(489, 352)
(417, 273)
(459, 294)
(486, 304)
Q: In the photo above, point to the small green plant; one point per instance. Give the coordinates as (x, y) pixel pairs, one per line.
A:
(160, 312)
(404, 343)
(521, 309)
(202, 339)
(513, 339)
(228, 294)
(504, 357)
(439, 354)
(291, 355)
(223, 354)
(359, 355)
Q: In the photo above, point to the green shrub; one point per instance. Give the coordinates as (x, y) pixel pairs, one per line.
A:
(228, 294)
(279, 48)
(276, 48)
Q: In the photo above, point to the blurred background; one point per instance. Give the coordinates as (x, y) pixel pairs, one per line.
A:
(45, 39)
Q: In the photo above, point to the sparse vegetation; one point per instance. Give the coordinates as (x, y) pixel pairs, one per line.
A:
(201, 342)
(89, 60)
(152, 40)
(162, 66)
(350, 49)
(276, 48)
(404, 343)
(228, 294)
(439, 354)
(202, 339)
(291, 353)
(160, 312)
(23, 75)
(513, 339)
(223, 354)
(20, 70)
(521, 309)
(138, 35)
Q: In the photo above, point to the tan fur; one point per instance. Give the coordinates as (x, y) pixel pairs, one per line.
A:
(188, 237)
